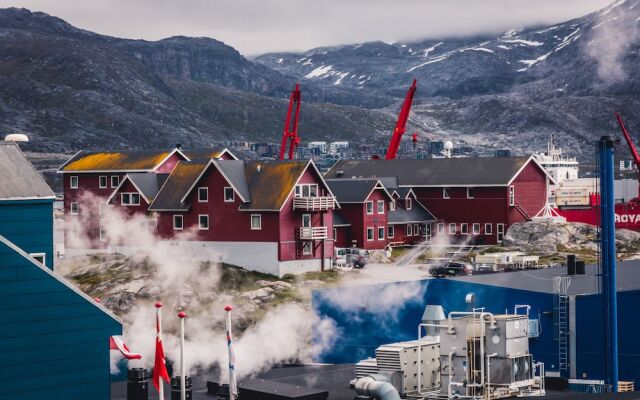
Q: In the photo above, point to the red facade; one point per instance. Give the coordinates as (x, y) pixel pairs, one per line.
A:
(368, 230)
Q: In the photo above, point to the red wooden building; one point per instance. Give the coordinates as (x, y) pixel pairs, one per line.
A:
(371, 218)
(474, 199)
(90, 178)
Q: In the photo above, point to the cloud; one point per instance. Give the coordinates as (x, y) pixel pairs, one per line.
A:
(259, 26)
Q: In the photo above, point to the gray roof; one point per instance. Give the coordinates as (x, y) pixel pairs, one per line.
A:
(339, 220)
(352, 190)
(148, 183)
(234, 170)
(402, 192)
(489, 171)
(542, 280)
(18, 178)
(183, 177)
(416, 214)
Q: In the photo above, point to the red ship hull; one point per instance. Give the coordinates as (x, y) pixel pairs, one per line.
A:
(627, 215)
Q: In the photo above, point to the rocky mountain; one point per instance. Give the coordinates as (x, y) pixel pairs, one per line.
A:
(70, 89)
(507, 91)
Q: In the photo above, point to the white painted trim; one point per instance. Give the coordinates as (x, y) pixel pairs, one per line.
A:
(466, 225)
(106, 183)
(60, 171)
(373, 234)
(393, 231)
(233, 194)
(71, 208)
(206, 167)
(473, 229)
(455, 228)
(111, 181)
(130, 203)
(532, 159)
(43, 255)
(226, 150)
(384, 233)
(206, 190)
(77, 179)
(490, 230)
(445, 193)
(171, 153)
(439, 230)
(200, 225)
(174, 222)
(384, 202)
(59, 279)
(366, 207)
(474, 194)
(26, 198)
(125, 178)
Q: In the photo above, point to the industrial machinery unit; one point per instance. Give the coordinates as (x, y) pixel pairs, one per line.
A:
(477, 355)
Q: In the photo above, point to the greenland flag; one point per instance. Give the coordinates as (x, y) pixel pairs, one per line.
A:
(160, 366)
(116, 343)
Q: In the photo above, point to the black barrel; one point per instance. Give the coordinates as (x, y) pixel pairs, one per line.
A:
(580, 269)
(137, 384)
(223, 392)
(571, 264)
(175, 388)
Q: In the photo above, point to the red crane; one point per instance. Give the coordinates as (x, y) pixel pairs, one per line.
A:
(632, 148)
(290, 132)
(401, 125)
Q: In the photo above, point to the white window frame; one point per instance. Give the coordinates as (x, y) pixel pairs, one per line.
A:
(200, 227)
(106, 182)
(464, 227)
(77, 206)
(178, 217)
(103, 234)
(409, 230)
(43, 255)
(499, 231)
(73, 179)
(381, 203)
(488, 231)
(416, 230)
(116, 179)
(233, 194)
(373, 234)
(305, 216)
(453, 231)
(391, 231)
(445, 193)
(367, 204)
(335, 234)
(131, 196)
(300, 189)
(307, 248)
(440, 228)
(392, 205)
(383, 230)
(471, 193)
(475, 231)
(259, 226)
(512, 196)
(409, 203)
(203, 189)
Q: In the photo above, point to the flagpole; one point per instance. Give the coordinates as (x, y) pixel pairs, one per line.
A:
(159, 319)
(233, 388)
(183, 391)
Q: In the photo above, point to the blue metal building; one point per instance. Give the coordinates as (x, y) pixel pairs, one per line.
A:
(26, 205)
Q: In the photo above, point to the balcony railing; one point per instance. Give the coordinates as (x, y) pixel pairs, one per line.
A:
(312, 233)
(313, 203)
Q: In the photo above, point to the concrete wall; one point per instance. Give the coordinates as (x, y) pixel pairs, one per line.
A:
(54, 340)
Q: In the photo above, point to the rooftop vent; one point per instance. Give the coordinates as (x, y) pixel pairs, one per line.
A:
(259, 167)
(16, 137)
(340, 173)
(178, 146)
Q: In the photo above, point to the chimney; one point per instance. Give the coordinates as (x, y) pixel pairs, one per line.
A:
(258, 168)
(178, 146)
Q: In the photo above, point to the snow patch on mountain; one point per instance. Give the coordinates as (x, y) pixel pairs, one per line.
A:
(318, 72)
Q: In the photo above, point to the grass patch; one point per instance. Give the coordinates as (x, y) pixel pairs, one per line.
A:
(329, 276)
(236, 278)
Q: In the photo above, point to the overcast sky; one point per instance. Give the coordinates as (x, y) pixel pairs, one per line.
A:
(259, 26)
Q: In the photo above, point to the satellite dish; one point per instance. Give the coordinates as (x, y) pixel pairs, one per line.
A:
(448, 145)
(16, 137)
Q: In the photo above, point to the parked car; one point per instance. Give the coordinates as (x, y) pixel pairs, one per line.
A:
(451, 268)
(352, 256)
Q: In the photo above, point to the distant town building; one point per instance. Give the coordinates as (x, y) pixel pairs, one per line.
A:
(319, 146)
(337, 147)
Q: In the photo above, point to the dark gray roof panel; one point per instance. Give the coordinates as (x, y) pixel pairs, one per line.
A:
(18, 178)
(149, 183)
(351, 190)
(416, 214)
(234, 171)
(433, 171)
(339, 220)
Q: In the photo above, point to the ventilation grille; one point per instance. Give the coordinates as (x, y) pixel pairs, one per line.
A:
(388, 359)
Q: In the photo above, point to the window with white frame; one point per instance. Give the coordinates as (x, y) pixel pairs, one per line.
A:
(115, 181)
(306, 248)
(369, 207)
(103, 235)
(178, 223)
(102, 182)
(369, 234)
(306, 220)
(74, 208)
(306, 190)
(335, 234)
(256, 222)
(464, 229)
(409, 230)
(203, 194)
(130, 199)
(488, 229)
(73, 182)
(390, 231)
(203, 222)
(445, 193)
(416, 229)
(512, 195)
(409, 203)
(392, 205)
(452, 229)
(440, 228)
(475, 229)
(470, 193)
(380, 206)
(381, 233)
(229, 195)
(40, 257)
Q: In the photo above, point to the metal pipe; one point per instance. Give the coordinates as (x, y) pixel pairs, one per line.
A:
(608, 243)
(463, 313)
(451, 353)
(369, 386)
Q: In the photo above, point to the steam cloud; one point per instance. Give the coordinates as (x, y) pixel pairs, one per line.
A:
(614, 31)
(181, 281)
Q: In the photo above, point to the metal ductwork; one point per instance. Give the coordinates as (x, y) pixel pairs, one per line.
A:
(433, 314)
(376, 386)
